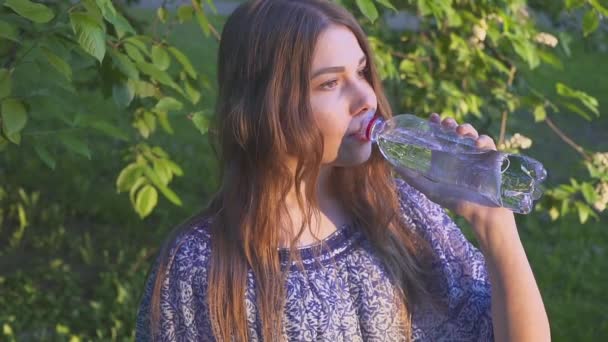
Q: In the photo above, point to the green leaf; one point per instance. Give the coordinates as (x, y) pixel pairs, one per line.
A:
(193, 94)
(139, 182)
(133, 53)
(201, 121)
(123, 93)
(155, 73)
(539, 113)
(58, 63)
(162, 171)
(8, 31)
(163, 119)
(14, 138)
(150, 120)
(147, 198)
(168, 193)
(44, 155)
(599, 7)
(162, 14)
(551, 59)
(587, 100)
(127, 177)
(368, 9)
(145, 89)
(121, 24)
(184, 61)
(184, 13)
(5, 83)
(387, 4)
(168, 104)
(203, 22)
(109, 130)
(90, 34)
(175, 169)
(591, 21)
(14, 116)
(37, 13)
(576, 109)
(124, 64)
(139, 42)
(75, 145)
(583, 211)
(571, 4)
(160, 57)
(588, 193)
(527, 51)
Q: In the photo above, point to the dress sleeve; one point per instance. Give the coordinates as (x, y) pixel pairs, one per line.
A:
(183, 303)
(462, 284)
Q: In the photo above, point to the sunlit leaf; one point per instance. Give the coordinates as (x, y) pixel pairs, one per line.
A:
(35, 12)
(76, 145)
(168, 193)
(58, 63)
(540, 113)
(147, 198)
(184, 61)
(184, 13)
(127, 177)
(201, 121)
(368, 9)
(591, 21)
(123, 93)
(5, 83)
(160, 57)
(44, 155)
(168, 104)
(89, 34)
(14, 116)
(8, 31)
(162, 14)
(124, 64)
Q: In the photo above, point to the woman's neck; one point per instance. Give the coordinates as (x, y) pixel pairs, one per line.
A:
(331, 212)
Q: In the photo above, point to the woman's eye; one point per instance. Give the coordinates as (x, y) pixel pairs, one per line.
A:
(329, 84)
(363, 72)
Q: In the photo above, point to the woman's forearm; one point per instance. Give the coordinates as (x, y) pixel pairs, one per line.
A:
(518, 311)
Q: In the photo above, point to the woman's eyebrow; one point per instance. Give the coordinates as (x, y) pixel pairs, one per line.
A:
(334, 69)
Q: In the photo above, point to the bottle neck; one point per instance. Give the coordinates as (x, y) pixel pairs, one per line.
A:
(374, 128)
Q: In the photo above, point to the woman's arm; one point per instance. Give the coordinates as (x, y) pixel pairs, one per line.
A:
(518, 313)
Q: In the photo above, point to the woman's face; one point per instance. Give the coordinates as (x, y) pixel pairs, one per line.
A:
(341, 96)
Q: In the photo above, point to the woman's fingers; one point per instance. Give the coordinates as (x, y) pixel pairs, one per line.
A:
(482, 141)
(449, 123)
(435, 118)
(467, 130)
(485, 142)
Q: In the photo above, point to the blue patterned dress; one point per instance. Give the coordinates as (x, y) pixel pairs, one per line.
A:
(345, 297)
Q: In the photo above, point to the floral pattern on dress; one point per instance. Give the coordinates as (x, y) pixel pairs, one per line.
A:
(343, 293)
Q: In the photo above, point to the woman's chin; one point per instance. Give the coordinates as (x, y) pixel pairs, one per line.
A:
(353, 154)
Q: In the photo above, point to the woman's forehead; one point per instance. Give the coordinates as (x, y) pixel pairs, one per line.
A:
(337, 46)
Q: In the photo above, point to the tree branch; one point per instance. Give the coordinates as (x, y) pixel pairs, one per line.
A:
(566, 139)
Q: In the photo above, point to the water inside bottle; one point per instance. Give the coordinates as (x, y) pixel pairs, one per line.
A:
(511, 181)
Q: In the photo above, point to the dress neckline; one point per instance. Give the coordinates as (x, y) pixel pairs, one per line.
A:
(325, 250)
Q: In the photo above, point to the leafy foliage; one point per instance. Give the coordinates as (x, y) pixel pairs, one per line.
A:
(107, 103)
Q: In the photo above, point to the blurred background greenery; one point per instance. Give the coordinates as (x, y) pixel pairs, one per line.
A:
(74, 252)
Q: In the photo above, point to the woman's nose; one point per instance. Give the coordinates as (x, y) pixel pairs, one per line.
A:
(364, 99)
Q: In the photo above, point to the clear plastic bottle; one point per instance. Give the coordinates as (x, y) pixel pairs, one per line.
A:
(484, 176)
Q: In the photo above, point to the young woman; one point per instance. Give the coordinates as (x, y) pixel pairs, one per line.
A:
(311, 237)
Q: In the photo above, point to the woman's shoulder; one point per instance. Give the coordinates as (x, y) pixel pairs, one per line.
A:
(192, 246)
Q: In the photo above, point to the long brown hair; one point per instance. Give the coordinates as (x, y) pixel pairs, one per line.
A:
(263, 112)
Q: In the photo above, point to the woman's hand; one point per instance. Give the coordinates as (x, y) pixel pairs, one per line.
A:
(479, 213)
